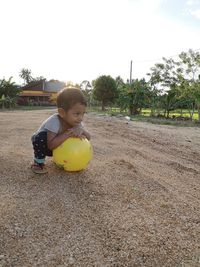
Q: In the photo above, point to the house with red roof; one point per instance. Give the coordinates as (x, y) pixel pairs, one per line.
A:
(40, 92)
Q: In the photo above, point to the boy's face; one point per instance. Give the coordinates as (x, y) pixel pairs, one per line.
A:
(74, 115)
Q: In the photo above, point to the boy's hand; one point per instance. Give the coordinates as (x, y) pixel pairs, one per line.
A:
(77, 131)
(80, 132)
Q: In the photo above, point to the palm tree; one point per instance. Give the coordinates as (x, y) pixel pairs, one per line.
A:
(25, 74)
(86, 88)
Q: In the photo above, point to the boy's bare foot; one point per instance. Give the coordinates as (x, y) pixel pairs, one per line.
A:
(38, 168)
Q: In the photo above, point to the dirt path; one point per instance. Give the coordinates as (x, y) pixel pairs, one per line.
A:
(138, 203)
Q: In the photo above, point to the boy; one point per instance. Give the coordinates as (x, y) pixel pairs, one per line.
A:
(57, 128)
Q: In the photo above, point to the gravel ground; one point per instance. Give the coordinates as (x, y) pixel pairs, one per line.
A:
(137, 204)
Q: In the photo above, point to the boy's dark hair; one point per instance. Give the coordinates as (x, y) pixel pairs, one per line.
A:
(68, 97)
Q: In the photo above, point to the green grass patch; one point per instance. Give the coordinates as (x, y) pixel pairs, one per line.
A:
(145, 116)
(28, 108)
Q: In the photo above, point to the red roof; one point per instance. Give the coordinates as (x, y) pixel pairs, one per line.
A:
(34, 86)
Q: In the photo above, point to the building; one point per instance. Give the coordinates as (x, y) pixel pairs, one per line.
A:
(40, 93)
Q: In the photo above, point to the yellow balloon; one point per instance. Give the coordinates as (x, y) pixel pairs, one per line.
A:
(73, 154)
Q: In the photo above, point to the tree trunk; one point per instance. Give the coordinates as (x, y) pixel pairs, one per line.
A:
(168, 114)
(191, 111)
(152, 111)
(103, 106)
(198, 108)
(133, 110)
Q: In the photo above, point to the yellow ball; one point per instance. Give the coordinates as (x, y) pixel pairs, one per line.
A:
(73, 154)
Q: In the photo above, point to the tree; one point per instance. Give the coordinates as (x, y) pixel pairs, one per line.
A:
(190, 76)
(168, 101)
(154, 82)
(8, 88)
(2, 101)
(185, 96)
(123, 99)
(86, 88)
(165, 79)
(139, 94)
(8, 92)
(105, 90)
(191, 64)
(196, 94)
(119, 81)
(133, 96)
(85, 85)
(25, 74)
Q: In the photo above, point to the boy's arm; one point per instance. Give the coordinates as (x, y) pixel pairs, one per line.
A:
(81, 132)
(54, 140)
(86, 134)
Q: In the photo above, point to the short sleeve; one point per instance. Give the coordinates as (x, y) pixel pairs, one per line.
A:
(52, 124)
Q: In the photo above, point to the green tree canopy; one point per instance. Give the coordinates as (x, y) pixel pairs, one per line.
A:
(178, 81)
(8, 88)
(133, 96)
(105, 90)
(189, 76)
(8, 92)
(26, 75)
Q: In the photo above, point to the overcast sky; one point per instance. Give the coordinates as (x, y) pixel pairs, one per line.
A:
(76, 40)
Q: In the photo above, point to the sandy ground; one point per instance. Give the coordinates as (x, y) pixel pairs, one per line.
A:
(137, 204)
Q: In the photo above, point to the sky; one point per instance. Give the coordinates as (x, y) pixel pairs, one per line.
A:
(76, 40)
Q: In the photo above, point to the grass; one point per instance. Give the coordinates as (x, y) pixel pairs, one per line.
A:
(144, 116)
(176, 113)
(28, 108)
(34, 107)
(145, 112)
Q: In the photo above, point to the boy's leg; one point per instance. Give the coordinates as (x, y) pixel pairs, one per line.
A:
(41, 150)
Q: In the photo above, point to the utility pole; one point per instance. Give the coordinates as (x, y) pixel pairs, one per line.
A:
(131, 72)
